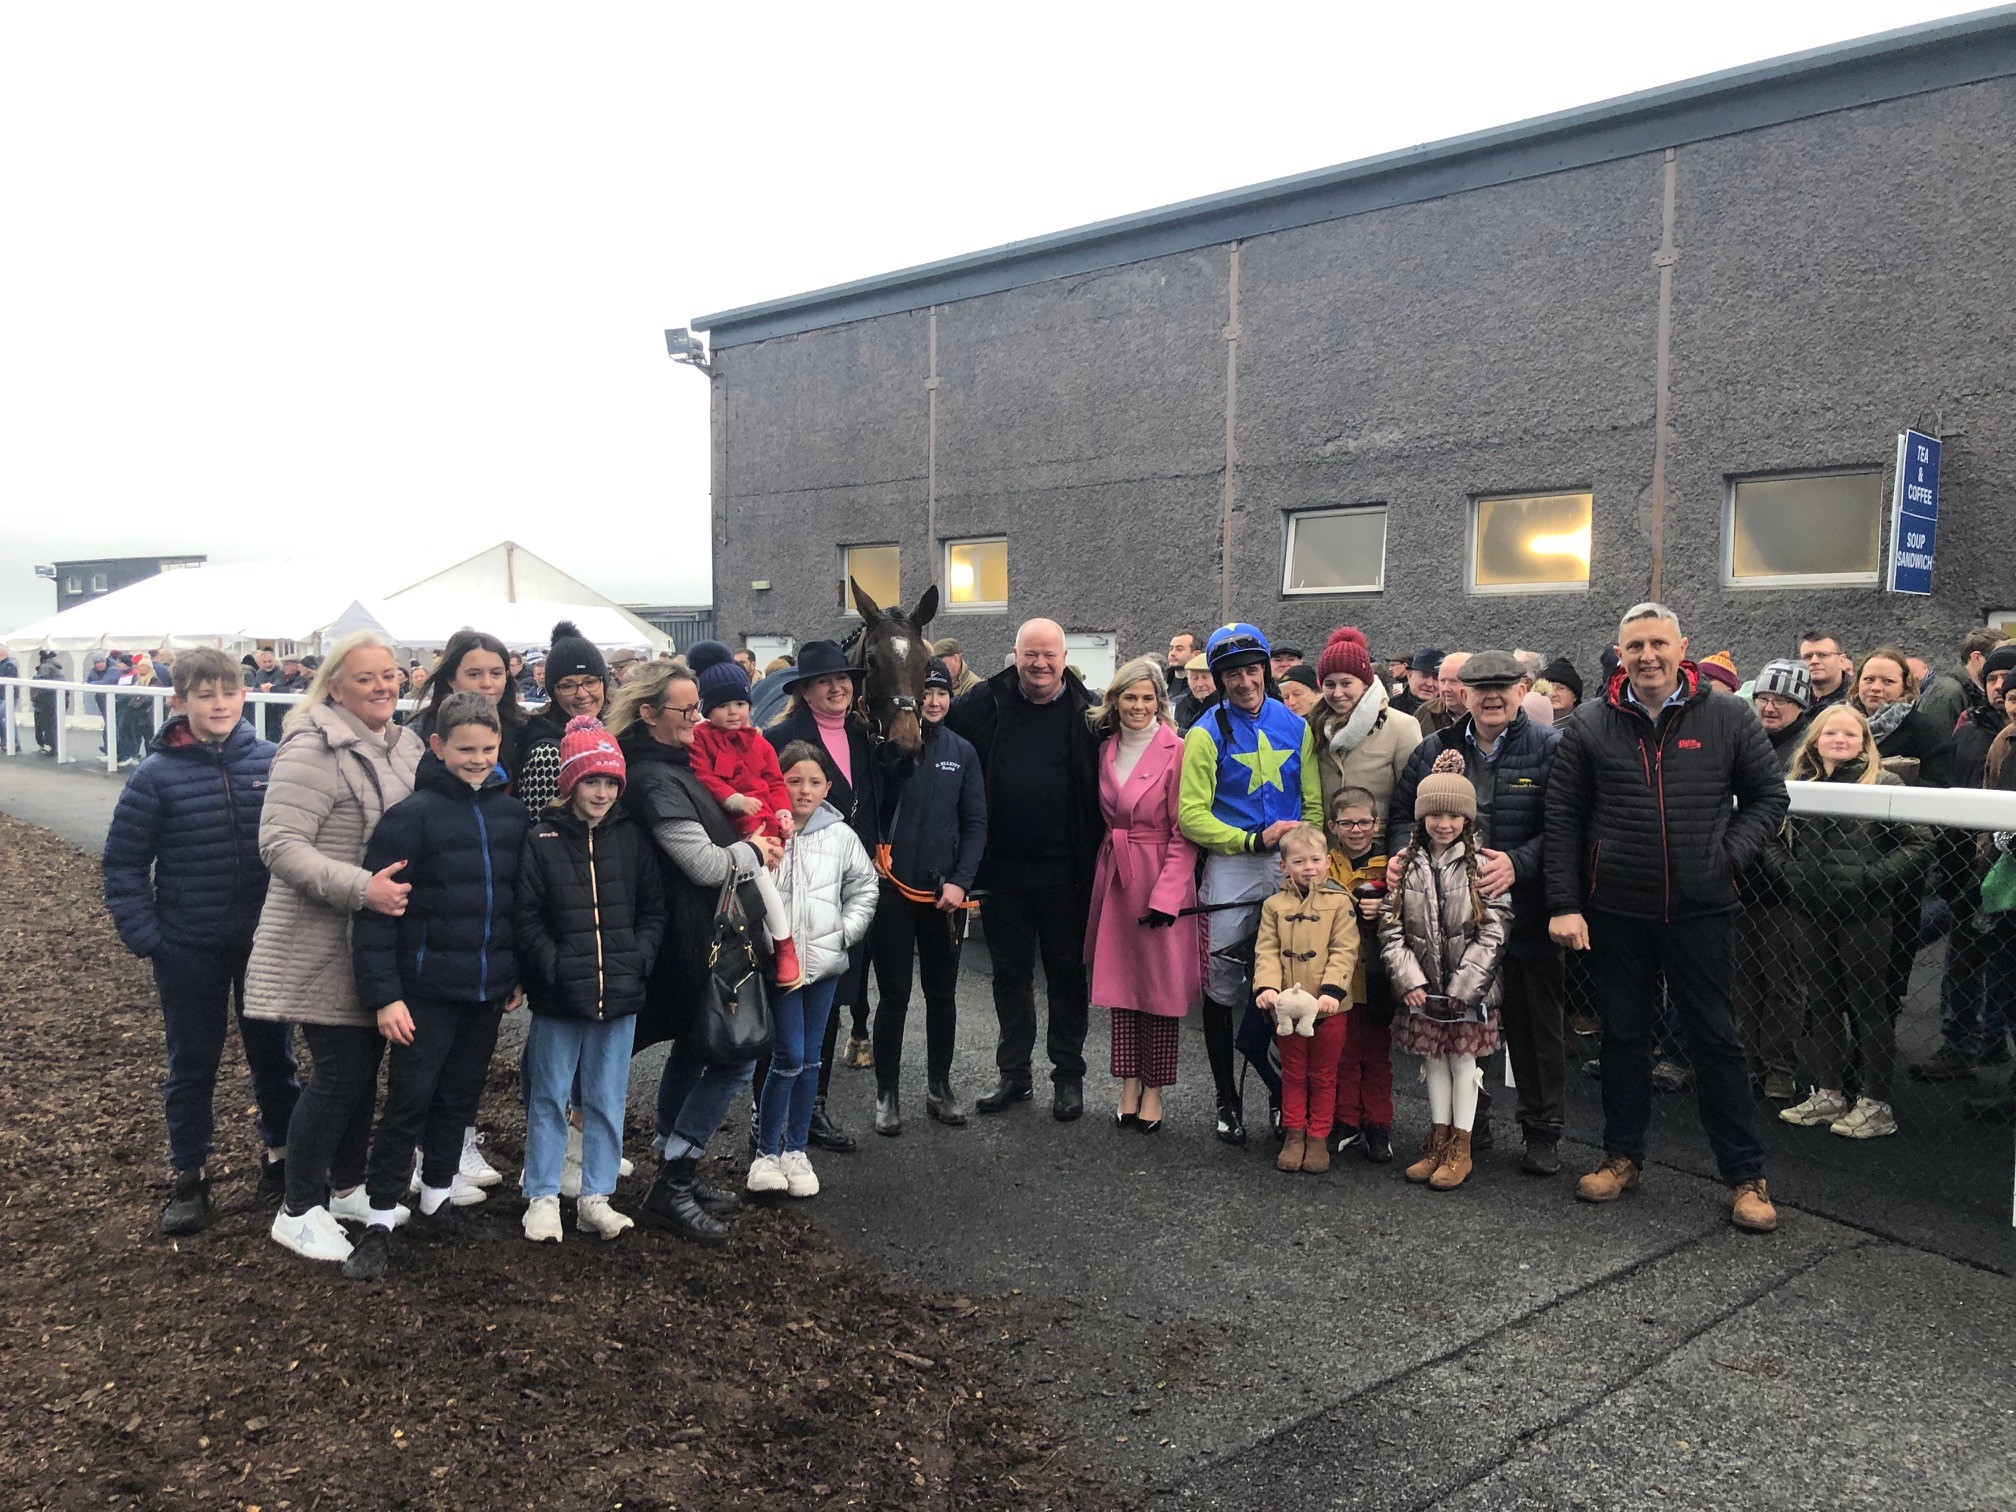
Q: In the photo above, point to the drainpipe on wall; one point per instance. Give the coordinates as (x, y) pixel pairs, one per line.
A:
(1231, 491)
(931, 552)
(1663, 260)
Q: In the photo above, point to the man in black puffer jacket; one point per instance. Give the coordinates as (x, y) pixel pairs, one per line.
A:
(1508, 759)
(1642, 833)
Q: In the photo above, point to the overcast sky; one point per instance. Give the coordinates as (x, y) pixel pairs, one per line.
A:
(385, 284)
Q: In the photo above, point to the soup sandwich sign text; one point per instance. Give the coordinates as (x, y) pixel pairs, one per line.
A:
(1914, 514)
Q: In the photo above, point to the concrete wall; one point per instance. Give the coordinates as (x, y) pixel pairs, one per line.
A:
(1836, 279)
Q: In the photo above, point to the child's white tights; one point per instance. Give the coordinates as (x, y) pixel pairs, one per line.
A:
(1453, 1084)
(775, 919)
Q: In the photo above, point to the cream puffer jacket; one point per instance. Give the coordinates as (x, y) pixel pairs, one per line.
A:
(331, 782)
(828, 885)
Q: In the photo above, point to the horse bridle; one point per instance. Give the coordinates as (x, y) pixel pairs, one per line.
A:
(856, 645)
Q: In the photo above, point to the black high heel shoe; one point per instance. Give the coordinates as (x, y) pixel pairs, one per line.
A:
(1126, 1120)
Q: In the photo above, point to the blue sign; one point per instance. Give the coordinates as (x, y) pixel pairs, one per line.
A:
(1914, 514)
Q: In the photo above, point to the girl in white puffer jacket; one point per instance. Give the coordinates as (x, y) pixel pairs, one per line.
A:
(828, 886)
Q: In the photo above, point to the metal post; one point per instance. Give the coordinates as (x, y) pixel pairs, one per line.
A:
(63, 708)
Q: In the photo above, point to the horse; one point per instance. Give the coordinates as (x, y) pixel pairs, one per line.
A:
(891, 653)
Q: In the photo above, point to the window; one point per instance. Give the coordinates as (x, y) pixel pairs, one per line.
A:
(98, 581)
(877, 569)
(73, 584)
(976, 574)
(1335, 551)
(1531, 543)
(1815, 530)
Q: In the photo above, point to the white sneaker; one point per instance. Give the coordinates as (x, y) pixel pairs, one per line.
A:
(624, 1168)
(1823, 1107)
(570, 1165)
(542, 1220)
(475, 1169)
(595, 1216)
(355, 1207)
(312, 1235)
(1868, 1119)
(799, 1177)
(766, 1174)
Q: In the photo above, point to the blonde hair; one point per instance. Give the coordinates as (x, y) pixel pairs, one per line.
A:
(332, 668)
(1105, 720)
(1304, 837)
(639, 689)
(1809, 766)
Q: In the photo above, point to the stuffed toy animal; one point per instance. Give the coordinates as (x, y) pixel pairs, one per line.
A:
(1295, 1013)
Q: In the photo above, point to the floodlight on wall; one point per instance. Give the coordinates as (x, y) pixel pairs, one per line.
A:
(681, 345)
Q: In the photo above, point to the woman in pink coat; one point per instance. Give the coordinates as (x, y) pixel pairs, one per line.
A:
(1145, 960)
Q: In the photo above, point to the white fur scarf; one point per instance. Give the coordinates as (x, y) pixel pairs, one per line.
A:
(1348, 736)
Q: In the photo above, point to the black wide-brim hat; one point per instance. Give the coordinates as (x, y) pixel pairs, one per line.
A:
(817, 659)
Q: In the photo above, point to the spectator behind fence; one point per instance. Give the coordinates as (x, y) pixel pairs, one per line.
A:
(1948, 696)
(342, 762)
(1828, 668)
(49, 668)
(1772, 947)
(1446, 707)
(183, 883)
(1651, 851)
(1849, 878)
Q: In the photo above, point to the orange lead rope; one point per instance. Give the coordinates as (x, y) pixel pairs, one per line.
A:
(905, 889)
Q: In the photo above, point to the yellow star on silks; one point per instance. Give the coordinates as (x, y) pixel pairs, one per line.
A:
(1265, 762)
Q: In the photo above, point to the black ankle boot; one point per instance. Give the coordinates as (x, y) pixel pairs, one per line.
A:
(716, 1201)
(672, 1207)
(1231, 1123)
(888, 1114)
(944, 1106)
(827, 1134)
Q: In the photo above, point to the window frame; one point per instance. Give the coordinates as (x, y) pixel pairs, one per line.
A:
(1292, 518)
(101, 582)
(846, 550)
(1871, 579)
(73, 582)
(949, 605)
(1474, 589)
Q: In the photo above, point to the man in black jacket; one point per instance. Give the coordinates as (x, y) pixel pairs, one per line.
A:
(1643, 835)
(1041, 764)
(1508, 759)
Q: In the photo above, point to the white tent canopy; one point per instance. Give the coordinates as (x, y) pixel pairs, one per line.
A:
(522, 626)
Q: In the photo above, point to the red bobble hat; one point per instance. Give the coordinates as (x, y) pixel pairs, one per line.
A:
(588, 750)
(1346, 653)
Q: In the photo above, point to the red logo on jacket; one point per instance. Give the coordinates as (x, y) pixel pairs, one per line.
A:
(1690, 745)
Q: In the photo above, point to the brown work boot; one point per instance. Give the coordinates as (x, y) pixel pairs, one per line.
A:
(1455, 1167)
(1290, 1158)
(1315, 1155)
(1431, 1153)
(1751, 1207)
(1608, 1181)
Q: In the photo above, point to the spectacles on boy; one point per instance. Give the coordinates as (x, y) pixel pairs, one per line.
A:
(1354, 824)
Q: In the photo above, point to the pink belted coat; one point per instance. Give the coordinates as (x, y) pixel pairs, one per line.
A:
(1144, 863)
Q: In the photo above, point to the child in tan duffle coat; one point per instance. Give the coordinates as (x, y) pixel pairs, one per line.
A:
(1308, 943)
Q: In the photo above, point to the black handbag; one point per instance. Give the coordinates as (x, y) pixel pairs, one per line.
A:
(733, 1025)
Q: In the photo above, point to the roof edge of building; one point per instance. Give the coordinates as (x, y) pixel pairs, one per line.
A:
(1890, 65)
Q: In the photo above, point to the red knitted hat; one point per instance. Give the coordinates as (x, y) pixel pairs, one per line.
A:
(588, 750)
(1347, 653)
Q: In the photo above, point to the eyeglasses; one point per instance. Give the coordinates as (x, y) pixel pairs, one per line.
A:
(684, 711)
(1354, 824)
(576, 684)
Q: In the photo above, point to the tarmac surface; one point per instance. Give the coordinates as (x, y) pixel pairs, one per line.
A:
(1223, 1335)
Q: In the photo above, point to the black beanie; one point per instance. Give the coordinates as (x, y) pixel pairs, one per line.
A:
(2001, 659)
(1561, 672)
(573, 655)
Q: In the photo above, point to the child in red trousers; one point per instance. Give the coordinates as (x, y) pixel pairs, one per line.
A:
(1308, 942)
(1365, 1069)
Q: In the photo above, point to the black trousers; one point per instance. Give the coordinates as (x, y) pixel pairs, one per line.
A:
(1697, 958)
(432, 1088)
(908, 933)
(1536, 1040)
(330, 1132)
(1031, 911)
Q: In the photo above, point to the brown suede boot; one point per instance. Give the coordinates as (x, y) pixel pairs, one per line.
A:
(1750, 1207)
(1608, 1181)
(1455, 1167)
(1315, 1156)
(1431, 1153)
(1290, 1158)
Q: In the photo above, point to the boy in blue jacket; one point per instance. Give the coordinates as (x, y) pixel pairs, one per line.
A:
(184, 885)
(441, 975)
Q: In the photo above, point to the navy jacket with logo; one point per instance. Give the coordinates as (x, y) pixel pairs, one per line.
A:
(461, 846)
(935, 812)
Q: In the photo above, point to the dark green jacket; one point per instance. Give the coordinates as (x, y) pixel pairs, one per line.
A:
(1840, 870)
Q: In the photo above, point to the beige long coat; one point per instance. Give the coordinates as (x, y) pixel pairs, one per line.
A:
(331, 782)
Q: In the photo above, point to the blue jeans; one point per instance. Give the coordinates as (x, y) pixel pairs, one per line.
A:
(693, 1097)
(586, 1063)
(199, 989)
(785, 1120)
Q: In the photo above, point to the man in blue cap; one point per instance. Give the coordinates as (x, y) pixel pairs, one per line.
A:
(1249, 776)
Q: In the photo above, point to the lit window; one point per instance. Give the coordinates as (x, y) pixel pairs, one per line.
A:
(1531, 543)
(878, 569)
(98, 581)
(1818, 530)
(976, 574)
(1335, 551)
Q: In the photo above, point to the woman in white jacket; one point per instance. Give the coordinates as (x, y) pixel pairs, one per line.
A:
(828, 885)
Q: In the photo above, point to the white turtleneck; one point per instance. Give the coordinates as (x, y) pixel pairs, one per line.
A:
(1128, 752)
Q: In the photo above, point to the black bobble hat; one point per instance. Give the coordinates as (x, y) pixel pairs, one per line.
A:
(573, 655)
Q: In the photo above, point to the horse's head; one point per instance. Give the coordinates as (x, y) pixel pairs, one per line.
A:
(892, 655)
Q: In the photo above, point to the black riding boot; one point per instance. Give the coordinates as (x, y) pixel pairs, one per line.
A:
(1218, 1050)
(670, 1205)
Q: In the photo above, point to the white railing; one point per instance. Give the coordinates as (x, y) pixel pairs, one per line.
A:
(78, 711)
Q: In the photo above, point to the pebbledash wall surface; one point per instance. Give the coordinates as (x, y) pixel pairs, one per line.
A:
(1811, 255)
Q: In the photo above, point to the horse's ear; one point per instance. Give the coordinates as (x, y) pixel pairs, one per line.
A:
(927, 606)
(866, 607)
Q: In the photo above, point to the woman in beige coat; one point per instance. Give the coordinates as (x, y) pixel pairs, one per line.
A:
(342, 762)
(1361, 740)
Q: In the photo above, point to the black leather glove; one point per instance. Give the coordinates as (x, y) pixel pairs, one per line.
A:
(1156, 919)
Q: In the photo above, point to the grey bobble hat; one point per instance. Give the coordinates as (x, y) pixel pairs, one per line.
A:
(1785, 678)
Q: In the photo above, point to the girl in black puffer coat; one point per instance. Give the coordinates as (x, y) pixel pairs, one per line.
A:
(591, 915)
(1847, 877)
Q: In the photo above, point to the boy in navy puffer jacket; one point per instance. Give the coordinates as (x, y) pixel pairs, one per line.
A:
(442, 974)
(184, 885)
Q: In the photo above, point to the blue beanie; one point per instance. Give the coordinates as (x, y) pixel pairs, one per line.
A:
(721, 683)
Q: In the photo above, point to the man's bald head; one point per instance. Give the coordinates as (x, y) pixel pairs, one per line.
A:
(1039, 659)
(1449, 686)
